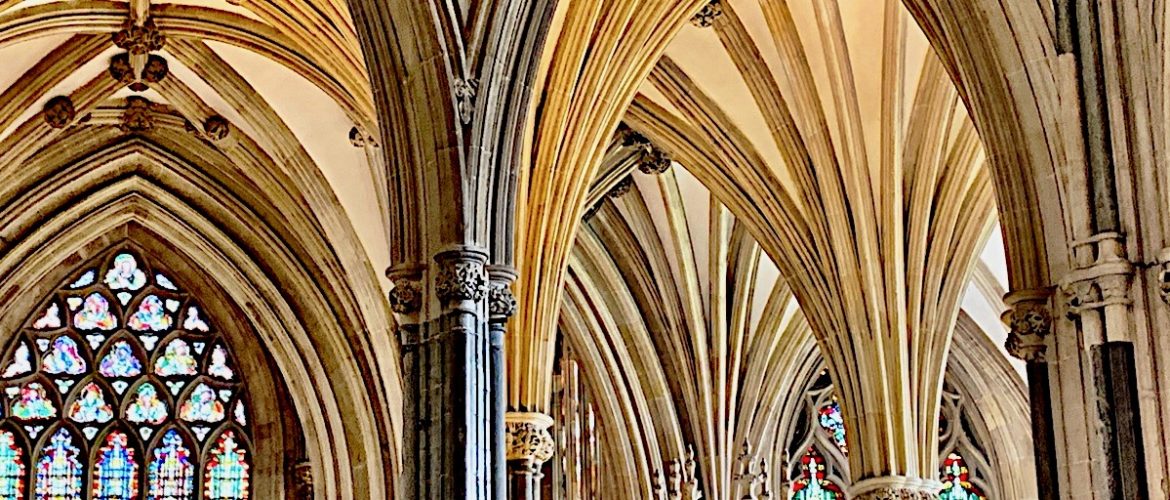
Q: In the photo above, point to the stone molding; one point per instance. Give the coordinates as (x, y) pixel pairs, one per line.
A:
(527, 437)
(1104, 282)
(1030, 320)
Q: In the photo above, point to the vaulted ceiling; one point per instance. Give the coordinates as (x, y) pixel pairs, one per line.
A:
(277, 90)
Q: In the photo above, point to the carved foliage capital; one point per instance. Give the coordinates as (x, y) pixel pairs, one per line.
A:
(1164, 282)
(406, 297)
(461, 280)
(1031, 323)
(528, 441)
(623, 187)
(501, 302)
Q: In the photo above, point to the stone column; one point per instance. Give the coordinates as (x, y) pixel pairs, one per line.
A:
(445, 377)
(1099, 303)
(501, 306)
(1031, 323)
(530, 445)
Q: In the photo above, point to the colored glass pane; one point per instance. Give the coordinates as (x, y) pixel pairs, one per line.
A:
(176, 360)
(813, 483)
(227, 470)
(219, 364)
(956, 478)
(125, 274)
(21, 362)
(146, 408)
(165, 282)
(831, 421)
(91, 406)
(150, 316)
(115, 475)
(95, 314)
(120, 361)
(11, 468)
(171, 475)
(33, 404)
(202, 406)
(50, 319)
(85, 279)
(240, 414)
(58, 471)
(193, 322)
(63, 358)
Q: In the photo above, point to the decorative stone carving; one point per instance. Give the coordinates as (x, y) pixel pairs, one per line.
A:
(138, 116)
(1164, 281)
(461, 280)
(1030, 324)
(501, 302)
(622, 187)
(216, 128)
(302, 480)
(59, 112)
(121, 70)
(887, 493)
(406, 297)
(360, 139)
(707, 15)
(465, 91)
(155, 71)
(528, 441)
(139, 39)
(651, 159)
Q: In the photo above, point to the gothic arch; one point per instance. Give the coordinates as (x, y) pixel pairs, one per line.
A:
(320, 336)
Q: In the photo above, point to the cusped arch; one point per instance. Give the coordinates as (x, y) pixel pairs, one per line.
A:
(318, 339)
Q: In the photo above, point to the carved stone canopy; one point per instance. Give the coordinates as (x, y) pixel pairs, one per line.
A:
(59, 112)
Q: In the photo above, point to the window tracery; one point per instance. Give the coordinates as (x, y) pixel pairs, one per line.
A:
(120, 388)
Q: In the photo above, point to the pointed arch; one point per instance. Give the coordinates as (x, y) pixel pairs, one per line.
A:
(216, 235)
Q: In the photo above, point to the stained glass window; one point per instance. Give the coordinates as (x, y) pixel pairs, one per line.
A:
(956, 480)
(115, 475)
(123, 390)
(813, 483)
(172, 476)
(11, 467)
(831, 421)
(227, 470)
(59, 469)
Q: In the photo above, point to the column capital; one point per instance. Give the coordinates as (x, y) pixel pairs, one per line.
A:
(462, 275)
(895, 488)
(1030, 320)
(528, 438)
